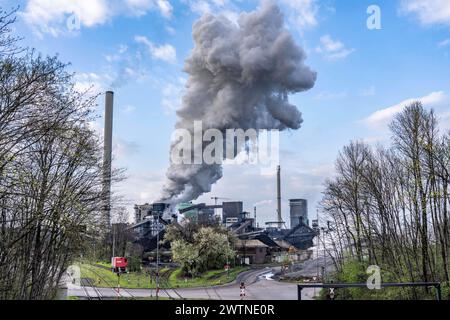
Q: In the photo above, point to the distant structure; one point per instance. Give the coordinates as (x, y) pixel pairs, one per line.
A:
(197, 212)
(254, 244)
(191, 213)
(147, 211)
(280, 219)
(298, 212)
(231, 212)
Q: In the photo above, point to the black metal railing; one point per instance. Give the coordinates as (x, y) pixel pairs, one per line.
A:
(436, 285)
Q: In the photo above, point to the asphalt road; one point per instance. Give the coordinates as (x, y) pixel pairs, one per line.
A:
(258, 286)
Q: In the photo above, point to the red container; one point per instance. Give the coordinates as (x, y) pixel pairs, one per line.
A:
(119, 262)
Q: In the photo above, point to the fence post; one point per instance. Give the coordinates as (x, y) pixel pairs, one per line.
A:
(438, 292)
(299, 292)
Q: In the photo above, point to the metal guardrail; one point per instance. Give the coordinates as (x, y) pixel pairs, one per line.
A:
(436, 285)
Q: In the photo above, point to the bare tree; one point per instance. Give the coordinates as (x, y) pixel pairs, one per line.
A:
(50, 171)
(389, 206)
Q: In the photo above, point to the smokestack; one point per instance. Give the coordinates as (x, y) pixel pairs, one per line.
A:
(107, 155)
(280, 220)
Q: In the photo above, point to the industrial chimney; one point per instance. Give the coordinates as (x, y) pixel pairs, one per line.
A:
(107, 156)
(280, 220)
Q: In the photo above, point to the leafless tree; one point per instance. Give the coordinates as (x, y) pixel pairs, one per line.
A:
(389, 206)
(50, 170)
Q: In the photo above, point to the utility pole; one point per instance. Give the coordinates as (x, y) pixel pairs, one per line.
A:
(318, 244)
(157, 256)
(324, 257)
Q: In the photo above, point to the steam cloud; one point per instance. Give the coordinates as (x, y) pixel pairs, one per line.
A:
(239, 77)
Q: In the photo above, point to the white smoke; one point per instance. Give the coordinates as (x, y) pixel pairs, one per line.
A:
(239, 77)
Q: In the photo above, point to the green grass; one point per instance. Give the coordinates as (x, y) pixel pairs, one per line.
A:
(104, 264)
(106, 278)
(355, 272)
(209, 278)
(137, 280)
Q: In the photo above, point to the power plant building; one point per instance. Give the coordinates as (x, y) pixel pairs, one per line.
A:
(231, 212)
(298, 212)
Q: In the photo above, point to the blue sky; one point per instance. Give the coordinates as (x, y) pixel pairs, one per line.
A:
(364, 78)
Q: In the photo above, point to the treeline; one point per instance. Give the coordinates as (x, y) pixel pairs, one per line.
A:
(50, 170)
(388, 206)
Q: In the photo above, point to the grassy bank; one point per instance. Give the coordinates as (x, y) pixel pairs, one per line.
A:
(103, 277)
(209, 278)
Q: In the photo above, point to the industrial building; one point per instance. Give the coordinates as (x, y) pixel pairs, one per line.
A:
(151, 222)
(255, 245)
(298, 212)
(231, 212)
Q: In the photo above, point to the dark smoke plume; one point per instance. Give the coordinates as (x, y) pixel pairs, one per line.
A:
(239, 77)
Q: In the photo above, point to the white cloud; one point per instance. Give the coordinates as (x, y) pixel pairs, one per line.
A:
(428, 11)
(200, 7)
(384, 116)
(118, 55)
(49, 16)
(89, 82)
(444, 43)
(223, 7)
(140, 187)
(124, 149)
(165, 52)
(325, 95)
(172, 93)
(165, 8)
(204, 6)
(125, 65)
(303, 12)
(170, 30)
(333, 49)
(139, 7)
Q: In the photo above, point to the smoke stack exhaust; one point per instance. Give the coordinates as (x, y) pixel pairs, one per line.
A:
(240, 77)
(280, 220)
(107, 155)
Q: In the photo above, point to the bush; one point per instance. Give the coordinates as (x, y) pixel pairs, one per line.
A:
(355, 272)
